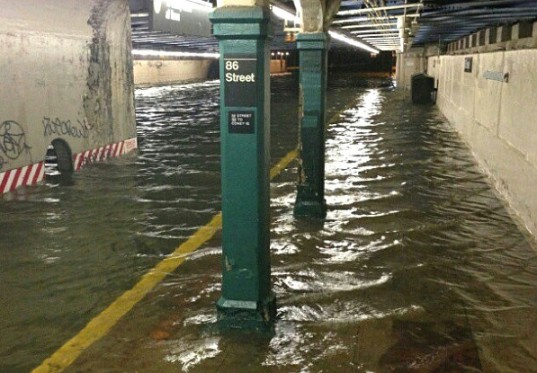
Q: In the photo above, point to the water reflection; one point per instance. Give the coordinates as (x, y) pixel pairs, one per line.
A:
(418, 266)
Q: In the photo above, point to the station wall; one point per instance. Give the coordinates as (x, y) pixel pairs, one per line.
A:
(494, 106)
(66, 77)
(172, 71)
(165, 71)
(407, 64)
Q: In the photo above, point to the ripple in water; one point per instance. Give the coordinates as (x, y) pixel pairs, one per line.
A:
(417, 267)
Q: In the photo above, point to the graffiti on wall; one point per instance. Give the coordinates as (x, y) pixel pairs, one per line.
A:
(12, 142)
(56, 126)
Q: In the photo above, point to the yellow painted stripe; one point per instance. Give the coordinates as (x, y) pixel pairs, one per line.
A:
(282, 164)
(102, 323)
(99, 326)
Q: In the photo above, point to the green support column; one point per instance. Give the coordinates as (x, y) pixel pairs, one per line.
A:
(312, 49)
(243, 32)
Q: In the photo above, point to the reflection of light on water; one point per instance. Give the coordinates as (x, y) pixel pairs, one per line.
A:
(371, 102)
(368, 106)
(202, 319)
(288, 346)
(300, 348)
(190, 355)
(326, 282)
(344, 312)
(51, 200)
(352, 146)
(347, 251)
(47, 259)
(283, 248)
(207, 292)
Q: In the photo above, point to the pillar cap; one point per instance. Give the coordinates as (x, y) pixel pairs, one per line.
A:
(239, 14)
(240, 22)
(314, 40)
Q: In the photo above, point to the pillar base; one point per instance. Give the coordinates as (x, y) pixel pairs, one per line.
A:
(239, 314)
(312, 209)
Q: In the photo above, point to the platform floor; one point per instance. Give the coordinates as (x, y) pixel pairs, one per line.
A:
(418, 267)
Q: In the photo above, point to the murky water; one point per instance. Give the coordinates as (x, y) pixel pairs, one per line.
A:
(418, 266)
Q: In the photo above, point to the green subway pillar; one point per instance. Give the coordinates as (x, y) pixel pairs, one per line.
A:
(243, 33)
(312, 48)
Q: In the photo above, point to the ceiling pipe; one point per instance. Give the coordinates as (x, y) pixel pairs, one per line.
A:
(353, 12)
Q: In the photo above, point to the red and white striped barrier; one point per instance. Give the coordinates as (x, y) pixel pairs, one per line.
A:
(27, 175)
(104, 152)
(35, 173)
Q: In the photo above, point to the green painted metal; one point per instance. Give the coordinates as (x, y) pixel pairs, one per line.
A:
(312, 49)
(247, 299)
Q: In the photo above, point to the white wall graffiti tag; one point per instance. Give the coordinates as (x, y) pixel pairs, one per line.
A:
(12, 141)
(66, 128)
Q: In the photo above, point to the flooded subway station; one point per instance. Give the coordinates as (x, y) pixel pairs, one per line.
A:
(421, 264)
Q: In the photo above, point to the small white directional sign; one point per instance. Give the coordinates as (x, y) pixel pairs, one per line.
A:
(240, 80)
(241, 122)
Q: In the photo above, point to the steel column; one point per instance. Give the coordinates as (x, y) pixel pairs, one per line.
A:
(312, 49)
(243, 33)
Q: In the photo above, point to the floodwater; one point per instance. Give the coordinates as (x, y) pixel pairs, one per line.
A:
(418, 266)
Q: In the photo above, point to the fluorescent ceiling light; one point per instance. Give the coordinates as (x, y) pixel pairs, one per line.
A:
(157, 53)
(351, 41)
(139, 15)
(368, 25)
(380, 35)
(368, 19)
(183, 5)
(288, 16)
(374, 9)
(376, 31)
(284, 14)
(352, 20)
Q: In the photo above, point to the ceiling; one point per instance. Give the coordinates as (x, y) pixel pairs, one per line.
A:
(383, 24)
(145, 38)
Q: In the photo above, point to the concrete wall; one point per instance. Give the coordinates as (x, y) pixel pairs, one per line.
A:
(66, 73)
(172, 71)
(412, 62)
(506, 37)
(407, 64)
(278, 66)
(496, 117)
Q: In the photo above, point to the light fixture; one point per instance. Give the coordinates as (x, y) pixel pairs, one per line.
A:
(284, 14)
(375, 9)
(288, 16)
(351, 41)
(184, 5)
(368, 25)
(157, 53)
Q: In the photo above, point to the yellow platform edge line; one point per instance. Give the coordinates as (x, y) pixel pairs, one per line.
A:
(101, 324)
